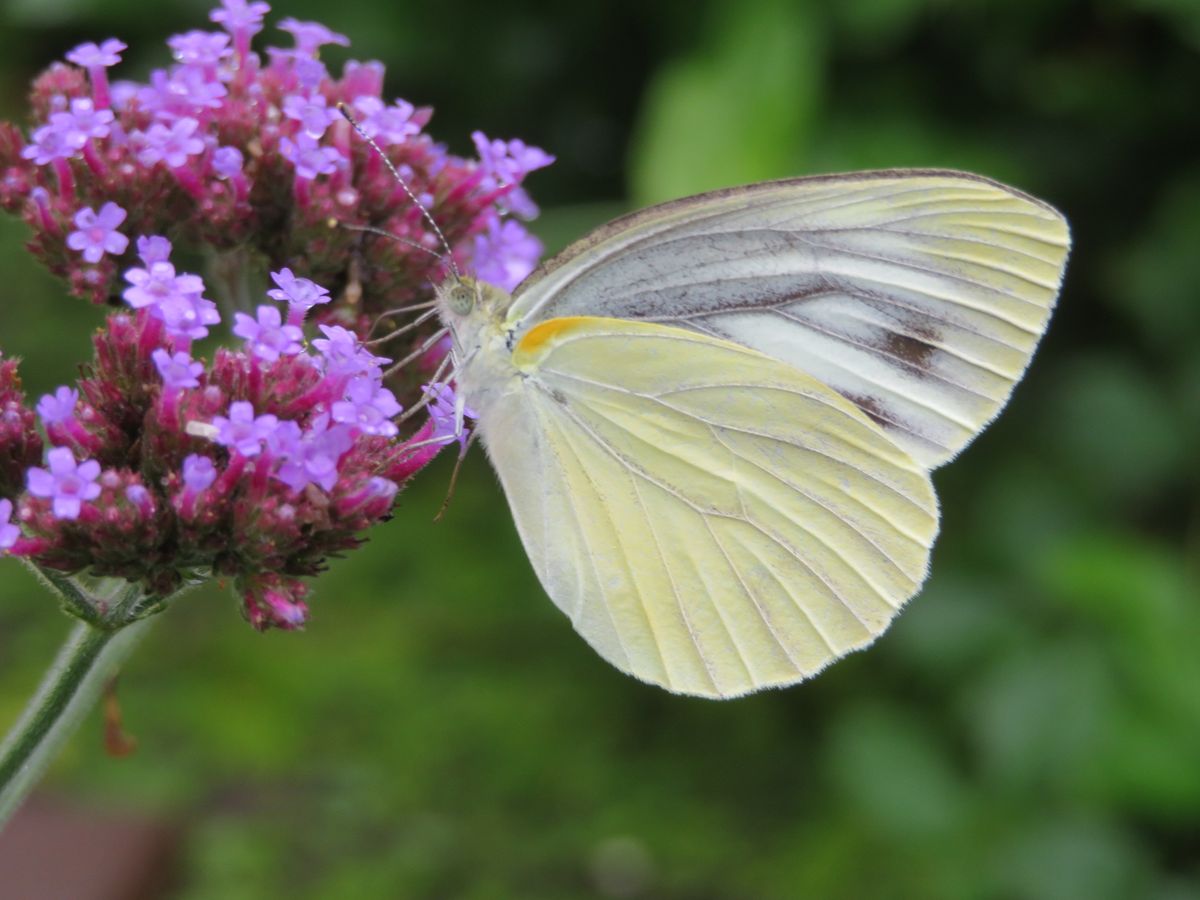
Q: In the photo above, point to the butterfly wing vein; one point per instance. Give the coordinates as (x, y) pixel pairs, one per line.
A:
(919, 296)
(710, 519)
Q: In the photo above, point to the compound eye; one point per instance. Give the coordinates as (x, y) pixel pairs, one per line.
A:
(462, 300)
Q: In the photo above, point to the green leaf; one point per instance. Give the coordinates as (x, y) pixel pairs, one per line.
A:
(739, 109)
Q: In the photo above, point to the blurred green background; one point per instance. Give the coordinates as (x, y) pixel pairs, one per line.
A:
(1030, 728)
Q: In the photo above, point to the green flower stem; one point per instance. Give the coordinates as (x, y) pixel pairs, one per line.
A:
(85, 662)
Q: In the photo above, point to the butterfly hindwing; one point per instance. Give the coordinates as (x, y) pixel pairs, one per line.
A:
(918, 295)
(710, 519)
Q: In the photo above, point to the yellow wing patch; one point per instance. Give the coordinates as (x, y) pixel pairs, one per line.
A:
(534, 343)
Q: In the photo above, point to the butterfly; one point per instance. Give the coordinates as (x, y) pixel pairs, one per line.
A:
(715, 419)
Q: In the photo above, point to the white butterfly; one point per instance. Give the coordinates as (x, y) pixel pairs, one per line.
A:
(715, 419)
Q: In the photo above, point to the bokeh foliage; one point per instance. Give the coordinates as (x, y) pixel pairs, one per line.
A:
(1031, 725)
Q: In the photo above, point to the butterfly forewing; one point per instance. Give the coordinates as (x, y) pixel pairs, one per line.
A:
(919, 296)
(710, 519)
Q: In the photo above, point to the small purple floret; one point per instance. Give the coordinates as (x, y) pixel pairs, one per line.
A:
(158, 284)
(200, 48)
(309, 157)
(315, 457)
(59, 406)
(227, 161)
(447, 410)
(66, 482)
(153, 248)
(506, 254)
(298, 293)
(187, 316)
(266, 336)
(344, 354)
(312, 112)
(9, 533)
(178, 370)
(368, 406)
(198, 472)
(84, 119)
(386, 124)
(238, 15)
(242, 431)
(90, 55)
(171, 145)
(97, 232)
(310, 36)
(51, 142)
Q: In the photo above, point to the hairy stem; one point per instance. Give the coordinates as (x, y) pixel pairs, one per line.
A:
(69, 690)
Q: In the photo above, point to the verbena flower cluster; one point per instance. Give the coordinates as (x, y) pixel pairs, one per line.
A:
(264, 461)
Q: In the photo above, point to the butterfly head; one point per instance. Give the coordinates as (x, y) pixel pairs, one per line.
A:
(472, 309)
(461, 297)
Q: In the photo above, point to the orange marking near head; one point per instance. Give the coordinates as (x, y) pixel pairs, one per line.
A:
(539, 336)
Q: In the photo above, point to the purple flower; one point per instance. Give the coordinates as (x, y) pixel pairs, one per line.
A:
(85, 119)
(59, 406)
(89, 55)
(367, 406)
(344, 354)
(51, 142)
(283, 441)
(315, 457)
(200, 48)
(66, 483)
(154, 248)
(242, 430)
(508, 162)
(123, 93)
(9, 533)
(171, 145)
(239, 16)
(227, 161)
(506, 253)
(186, 90)
(447, 411)
(177, 369)
(267, 337)
(98, 233)
(309, 157)
(198, 472)
(299, 294)
(158, 283)
(311, 35)
(386, 124)
(310, 72)
(186, 316)
(311, 112)
(139, 497)
(306, 71)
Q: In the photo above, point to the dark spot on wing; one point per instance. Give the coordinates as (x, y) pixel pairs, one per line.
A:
(558, 396)
(914, 351)
(870, 406)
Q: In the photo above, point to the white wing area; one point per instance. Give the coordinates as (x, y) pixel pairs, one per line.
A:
(710, 520)
(918, 295)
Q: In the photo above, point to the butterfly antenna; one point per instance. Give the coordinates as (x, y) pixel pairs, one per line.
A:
(370, 229)
(462, 454)
(348, 116)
